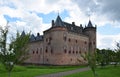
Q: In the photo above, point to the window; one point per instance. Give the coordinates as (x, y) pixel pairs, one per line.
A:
(64, 37)
(76, 52)
(85, 42)
(84, 58)
(71, 59)
(90, 43)
(37, 52)
(40, 50)
(46, 40)
(46, 50)
(94, 43)
(47, 60)
(76, 41)
(71, 28)
(73, 52)
(50, 38)
(69, 51)
(65, 51)
(80, 52)
(33, 52)
(69, 39)
(51, 51)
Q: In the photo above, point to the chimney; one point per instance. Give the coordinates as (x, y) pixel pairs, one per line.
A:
(73, 23)
(52, 23)
(38, 34)
(80, 25)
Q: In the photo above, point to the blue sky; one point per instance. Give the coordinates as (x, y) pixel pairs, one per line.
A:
(36, 16)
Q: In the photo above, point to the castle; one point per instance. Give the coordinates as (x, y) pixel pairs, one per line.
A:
(62, 44)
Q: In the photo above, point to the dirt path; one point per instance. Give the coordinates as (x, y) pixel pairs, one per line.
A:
(60, 74)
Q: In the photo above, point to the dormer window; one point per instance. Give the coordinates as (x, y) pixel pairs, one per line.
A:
(71, 28)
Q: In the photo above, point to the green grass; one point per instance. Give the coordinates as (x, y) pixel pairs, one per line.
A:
(31, 71)
(110, 71)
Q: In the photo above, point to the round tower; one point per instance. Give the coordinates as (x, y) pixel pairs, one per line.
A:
(54, 43)
(90, 31)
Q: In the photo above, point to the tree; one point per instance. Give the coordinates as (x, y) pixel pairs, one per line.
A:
(116, 56)
(91, 58)
(15, 52)
(104, 56)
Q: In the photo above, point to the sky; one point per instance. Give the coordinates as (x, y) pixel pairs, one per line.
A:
(36, 16)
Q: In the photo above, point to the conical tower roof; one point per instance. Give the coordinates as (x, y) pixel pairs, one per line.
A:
(89, 24)
(23, 33)
(58, 21)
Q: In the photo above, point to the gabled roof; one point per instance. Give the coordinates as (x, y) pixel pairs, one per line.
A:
(58, 21)
(37, 38)
(90, 24)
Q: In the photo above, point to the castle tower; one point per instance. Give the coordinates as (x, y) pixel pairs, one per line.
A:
(53, 42)
(90, 31)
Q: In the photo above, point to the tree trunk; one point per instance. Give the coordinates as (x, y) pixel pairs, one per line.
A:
(9, 73)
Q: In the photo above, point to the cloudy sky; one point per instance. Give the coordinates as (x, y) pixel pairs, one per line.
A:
(36, 16)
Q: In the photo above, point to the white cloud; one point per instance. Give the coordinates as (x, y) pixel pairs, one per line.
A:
(107, 41)
(79, 11)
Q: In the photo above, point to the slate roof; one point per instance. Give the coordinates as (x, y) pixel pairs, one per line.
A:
(73, 28)
(37, 38)
(89, 24)
(58, 22)
(23, 33)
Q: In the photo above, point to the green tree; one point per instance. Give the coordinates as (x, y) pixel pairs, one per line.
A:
(91, 59)
(15, 52)
(104, 57)
(116, 55)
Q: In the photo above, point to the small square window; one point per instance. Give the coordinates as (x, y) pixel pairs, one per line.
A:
(33, 52)
(69, 39)
(69, 51)
(76, 41)
(65, 51)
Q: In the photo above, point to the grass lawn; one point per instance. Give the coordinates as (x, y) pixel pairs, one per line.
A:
(32, 71)
(110, 71)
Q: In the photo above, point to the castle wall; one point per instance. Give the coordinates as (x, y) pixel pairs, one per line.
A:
(67, 47)
(35, 52)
